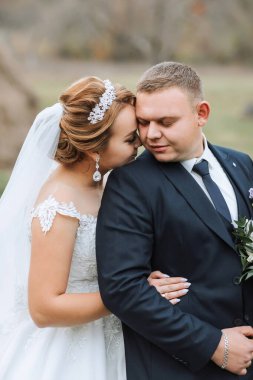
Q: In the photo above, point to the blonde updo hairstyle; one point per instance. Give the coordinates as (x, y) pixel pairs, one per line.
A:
(78, 135)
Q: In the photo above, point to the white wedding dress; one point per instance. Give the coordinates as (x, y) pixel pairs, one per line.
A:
(94, 351)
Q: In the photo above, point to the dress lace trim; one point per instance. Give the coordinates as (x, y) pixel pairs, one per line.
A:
(47, 210)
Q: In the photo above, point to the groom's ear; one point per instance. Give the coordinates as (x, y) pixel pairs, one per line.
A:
(203, 111)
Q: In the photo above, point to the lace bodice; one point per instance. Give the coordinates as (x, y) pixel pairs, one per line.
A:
(83, 272)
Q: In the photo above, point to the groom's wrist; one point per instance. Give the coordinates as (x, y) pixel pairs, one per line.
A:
(226, 351)
(220, 355)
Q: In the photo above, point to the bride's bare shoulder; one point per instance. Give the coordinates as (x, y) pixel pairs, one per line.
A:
(66, 188)
(62, 192)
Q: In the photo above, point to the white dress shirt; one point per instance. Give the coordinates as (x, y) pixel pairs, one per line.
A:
(218, 176)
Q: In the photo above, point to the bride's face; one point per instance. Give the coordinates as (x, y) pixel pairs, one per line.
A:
(124, 141)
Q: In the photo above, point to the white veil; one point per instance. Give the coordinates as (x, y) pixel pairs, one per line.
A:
(33, 166)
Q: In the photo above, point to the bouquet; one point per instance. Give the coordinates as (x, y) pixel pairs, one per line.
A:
(244, 242)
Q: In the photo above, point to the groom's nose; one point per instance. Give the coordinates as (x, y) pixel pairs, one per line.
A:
(153, 131)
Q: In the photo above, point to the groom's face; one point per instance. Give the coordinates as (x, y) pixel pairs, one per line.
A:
(170, 124)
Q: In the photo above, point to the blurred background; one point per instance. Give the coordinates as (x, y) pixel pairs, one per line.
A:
(47, 44)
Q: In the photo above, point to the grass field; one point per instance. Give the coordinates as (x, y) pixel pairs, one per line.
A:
(228, 89)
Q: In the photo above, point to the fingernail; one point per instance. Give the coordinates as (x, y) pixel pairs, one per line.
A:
(184, 279)
(163, 295)
(184, 291)
(177, 300)
(166, 275)
(188, 284)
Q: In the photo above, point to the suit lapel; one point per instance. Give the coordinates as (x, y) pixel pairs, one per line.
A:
(237, 179)
(196, 198)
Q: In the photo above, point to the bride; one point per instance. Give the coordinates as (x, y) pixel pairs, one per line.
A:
(53, 324)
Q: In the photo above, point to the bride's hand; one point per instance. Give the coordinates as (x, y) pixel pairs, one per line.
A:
(170, 288)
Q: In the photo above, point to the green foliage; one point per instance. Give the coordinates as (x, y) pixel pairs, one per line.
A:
(244, 243)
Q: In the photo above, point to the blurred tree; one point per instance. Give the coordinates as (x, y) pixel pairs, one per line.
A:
(18, 105)
(154, 30)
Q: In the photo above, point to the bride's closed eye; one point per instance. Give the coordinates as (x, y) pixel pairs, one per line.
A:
(132, 139)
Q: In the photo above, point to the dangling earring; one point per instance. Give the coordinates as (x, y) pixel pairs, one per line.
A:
(97, 175)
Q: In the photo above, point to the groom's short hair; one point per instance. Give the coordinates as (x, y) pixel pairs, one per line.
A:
(171, 74)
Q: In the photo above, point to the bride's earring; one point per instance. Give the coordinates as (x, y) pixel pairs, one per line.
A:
(97, 175)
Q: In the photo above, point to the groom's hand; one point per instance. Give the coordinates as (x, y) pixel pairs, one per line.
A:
(240, 350)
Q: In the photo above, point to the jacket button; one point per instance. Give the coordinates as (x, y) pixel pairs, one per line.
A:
(238, 322)
(236, 280)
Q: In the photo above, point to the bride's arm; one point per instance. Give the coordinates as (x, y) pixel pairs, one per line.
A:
(49, 270)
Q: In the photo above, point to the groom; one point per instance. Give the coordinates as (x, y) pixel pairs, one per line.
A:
(172, 210)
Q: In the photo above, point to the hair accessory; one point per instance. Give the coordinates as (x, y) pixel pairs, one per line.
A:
(97, 175)
(105, 101)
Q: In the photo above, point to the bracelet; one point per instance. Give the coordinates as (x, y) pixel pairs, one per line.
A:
(226, 349)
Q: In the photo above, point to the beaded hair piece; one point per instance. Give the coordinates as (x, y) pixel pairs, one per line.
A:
(105, 101)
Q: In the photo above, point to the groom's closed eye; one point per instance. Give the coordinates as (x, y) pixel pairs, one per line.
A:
(167, 121)
(143, 122)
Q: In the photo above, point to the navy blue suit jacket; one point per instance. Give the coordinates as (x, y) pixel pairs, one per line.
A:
(154, 216)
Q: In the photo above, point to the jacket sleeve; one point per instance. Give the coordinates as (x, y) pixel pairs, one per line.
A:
(124, 246)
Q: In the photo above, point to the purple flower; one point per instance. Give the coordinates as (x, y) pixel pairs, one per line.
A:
(251, 193)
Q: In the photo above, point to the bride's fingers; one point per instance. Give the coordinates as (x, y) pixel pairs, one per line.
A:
(166, 281)
(157, 274)
(174, 301)
(174, 295)
(173, 288)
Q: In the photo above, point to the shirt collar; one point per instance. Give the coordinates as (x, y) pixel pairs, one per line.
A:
(206, 155)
